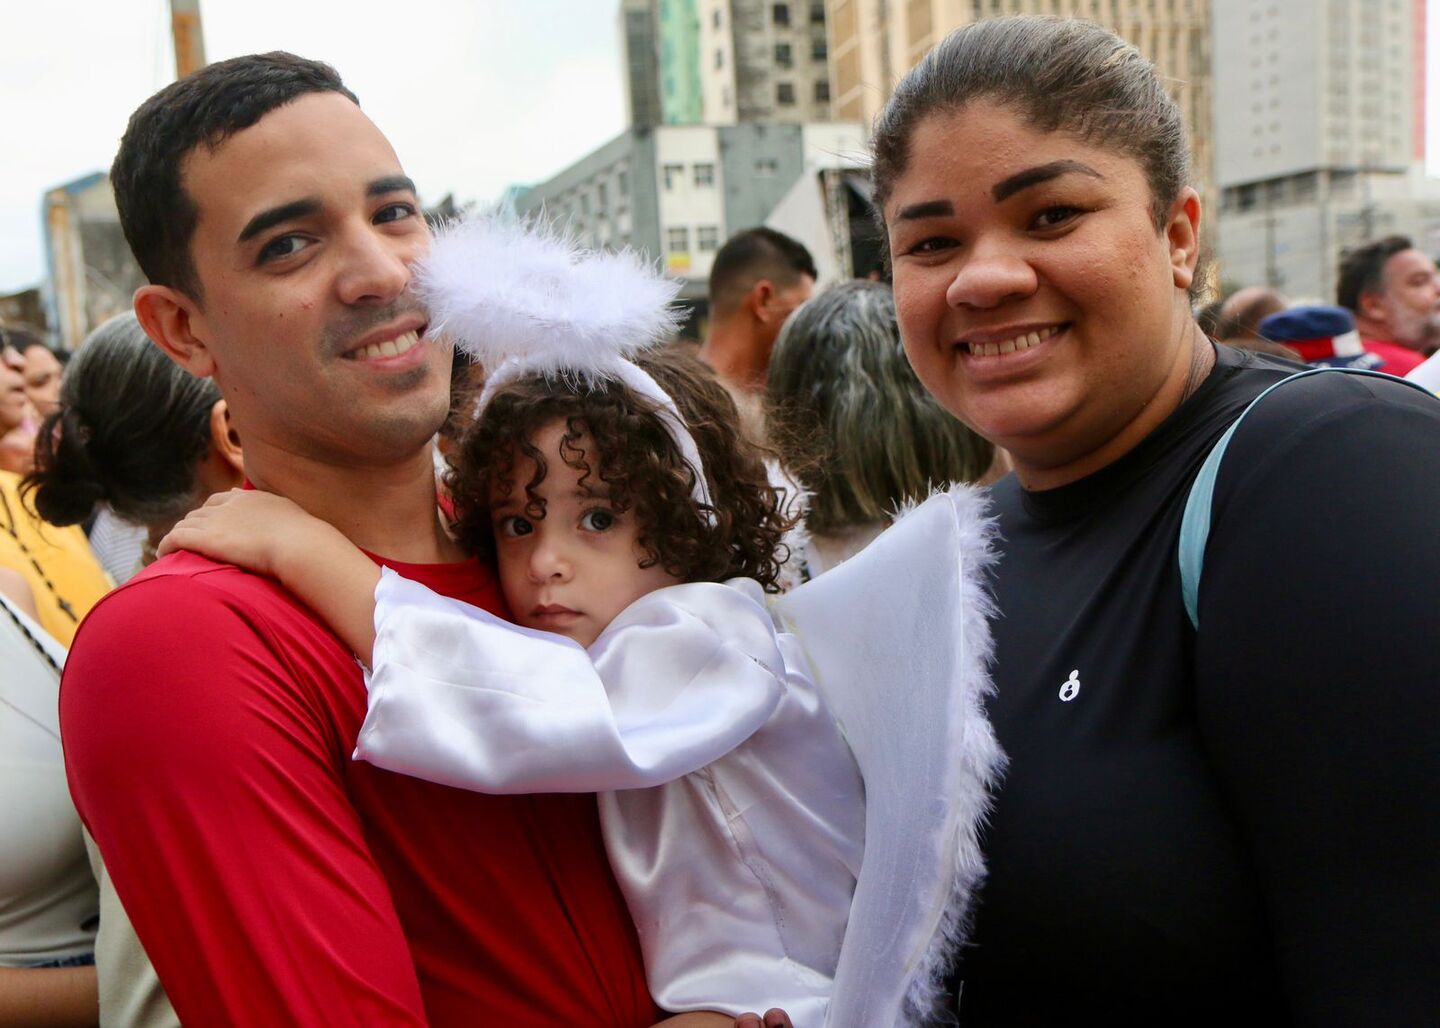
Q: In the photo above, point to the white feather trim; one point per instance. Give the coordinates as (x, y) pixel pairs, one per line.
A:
(501, 289)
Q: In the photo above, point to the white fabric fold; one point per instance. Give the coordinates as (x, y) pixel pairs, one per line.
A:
(461, 697)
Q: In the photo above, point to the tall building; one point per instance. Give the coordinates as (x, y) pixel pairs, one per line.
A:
(723, 62)
(1320, 138)
(675, 193)
(873, 43)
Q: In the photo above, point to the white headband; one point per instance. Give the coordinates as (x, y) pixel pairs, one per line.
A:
(522, 300)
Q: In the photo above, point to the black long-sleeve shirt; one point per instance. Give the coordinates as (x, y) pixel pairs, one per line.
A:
(1239, 825)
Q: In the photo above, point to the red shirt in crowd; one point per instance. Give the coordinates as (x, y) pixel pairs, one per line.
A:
(208, 719)
(1399, 360)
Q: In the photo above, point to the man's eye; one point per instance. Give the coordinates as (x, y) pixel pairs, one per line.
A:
(283, 246)
(394, 212)
(598, 520)
(513, 527)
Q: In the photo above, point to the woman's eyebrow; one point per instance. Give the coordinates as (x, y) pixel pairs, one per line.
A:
(928, 209)
(1008, 187)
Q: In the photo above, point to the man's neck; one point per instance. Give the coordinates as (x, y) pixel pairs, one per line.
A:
(389, 510)
(1378, 332)
(731, 352)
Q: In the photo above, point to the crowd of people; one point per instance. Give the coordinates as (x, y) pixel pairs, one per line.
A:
(403, 626)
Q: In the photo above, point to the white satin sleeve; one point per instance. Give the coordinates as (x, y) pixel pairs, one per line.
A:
(461, 697)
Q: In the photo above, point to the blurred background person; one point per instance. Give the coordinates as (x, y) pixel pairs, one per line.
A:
(1238, 319)
(43, 368)
(1394, 292)
(1322, 336)
(758, 279)
(17, 415)
(48, 899)
(62, 576)
(135, 433)
(855, 428)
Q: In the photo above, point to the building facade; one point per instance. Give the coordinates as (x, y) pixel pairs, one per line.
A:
(873, 43)
(1320, 138)
(675, 193)
(723, 62)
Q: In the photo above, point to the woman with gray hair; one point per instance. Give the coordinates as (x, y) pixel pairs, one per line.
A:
(134, 435)
(853, 425)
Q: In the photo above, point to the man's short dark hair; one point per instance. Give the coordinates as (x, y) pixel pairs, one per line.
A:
(204, 108)
(1362, 270)
(752, 255)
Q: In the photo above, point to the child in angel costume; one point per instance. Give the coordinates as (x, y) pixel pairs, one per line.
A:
(789, 788)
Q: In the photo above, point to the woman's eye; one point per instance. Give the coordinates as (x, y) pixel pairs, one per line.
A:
(598, 520)
(1054, 217)
(394, 212)
(282, 246)
(513, 527)
(932, 245)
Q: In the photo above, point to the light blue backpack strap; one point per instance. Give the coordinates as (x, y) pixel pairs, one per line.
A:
(1195, 525)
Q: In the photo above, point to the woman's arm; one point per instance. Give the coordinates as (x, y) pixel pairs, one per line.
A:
(1318, 670)
(272, 536)
(48, 997)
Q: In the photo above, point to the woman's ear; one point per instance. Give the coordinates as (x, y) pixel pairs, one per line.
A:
(1182, 234)
(167, 316)
(225, 441)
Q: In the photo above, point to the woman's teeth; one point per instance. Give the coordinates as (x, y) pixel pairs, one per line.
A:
(1011, 345)
(390, 347)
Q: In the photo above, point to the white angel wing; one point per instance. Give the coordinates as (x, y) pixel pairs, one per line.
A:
(899, 642)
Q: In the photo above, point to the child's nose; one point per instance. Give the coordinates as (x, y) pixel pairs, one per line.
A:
(549, 563)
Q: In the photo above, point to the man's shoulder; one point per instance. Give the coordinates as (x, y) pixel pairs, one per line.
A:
(185, 586)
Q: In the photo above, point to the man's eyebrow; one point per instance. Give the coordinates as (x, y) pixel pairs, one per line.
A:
(391, 184)
(928, 209)
(276, 215)
(1007, 188)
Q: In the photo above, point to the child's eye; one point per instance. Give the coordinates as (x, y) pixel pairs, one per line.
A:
(513, 527)
(598, 520)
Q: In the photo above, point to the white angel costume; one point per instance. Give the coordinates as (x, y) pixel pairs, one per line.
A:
(790, 789)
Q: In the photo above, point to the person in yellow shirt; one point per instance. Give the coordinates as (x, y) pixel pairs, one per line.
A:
(64, 577)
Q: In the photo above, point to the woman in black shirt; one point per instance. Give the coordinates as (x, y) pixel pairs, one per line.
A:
(1239, 823)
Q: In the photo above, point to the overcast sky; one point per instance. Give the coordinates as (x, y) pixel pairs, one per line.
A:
(476, 95)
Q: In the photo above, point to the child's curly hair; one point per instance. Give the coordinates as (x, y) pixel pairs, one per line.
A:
(635, 458)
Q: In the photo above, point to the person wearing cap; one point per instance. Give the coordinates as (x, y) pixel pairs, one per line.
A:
(1323, 336)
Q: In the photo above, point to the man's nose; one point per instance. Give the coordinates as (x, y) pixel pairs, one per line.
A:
(376, 267)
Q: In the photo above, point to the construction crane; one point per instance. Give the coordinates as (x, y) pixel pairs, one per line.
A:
(189, 39)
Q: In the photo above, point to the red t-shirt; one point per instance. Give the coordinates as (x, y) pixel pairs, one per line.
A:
(1399, 360)
(208, 719)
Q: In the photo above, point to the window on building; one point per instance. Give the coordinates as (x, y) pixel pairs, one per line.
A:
(818, 50)
(674, 175)
(817, 14)
(602, 196)
(767, 167)
(715, 18)
(822, 91)
(677, 240)
(780, 14)
(705, 174)
(622, 183)
(783, 56)
(707, 238)
(719, 58)
(584, 203)
(785, 93)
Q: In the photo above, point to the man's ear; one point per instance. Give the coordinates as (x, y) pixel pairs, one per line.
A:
(1182, 234)
(224, 440)
(757, 300)
(167, 316)
(1372, 307)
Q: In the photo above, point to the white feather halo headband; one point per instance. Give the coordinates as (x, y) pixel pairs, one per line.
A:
(522, 299)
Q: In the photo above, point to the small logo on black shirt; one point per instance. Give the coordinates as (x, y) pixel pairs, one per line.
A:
(1071, 688)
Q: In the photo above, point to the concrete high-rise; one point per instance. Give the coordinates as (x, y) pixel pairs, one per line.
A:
(873, 43)
(1320, 137)
(723, 62)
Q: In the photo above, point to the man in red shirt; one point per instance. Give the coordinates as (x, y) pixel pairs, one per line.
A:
(1394, 292)
(209, 718)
